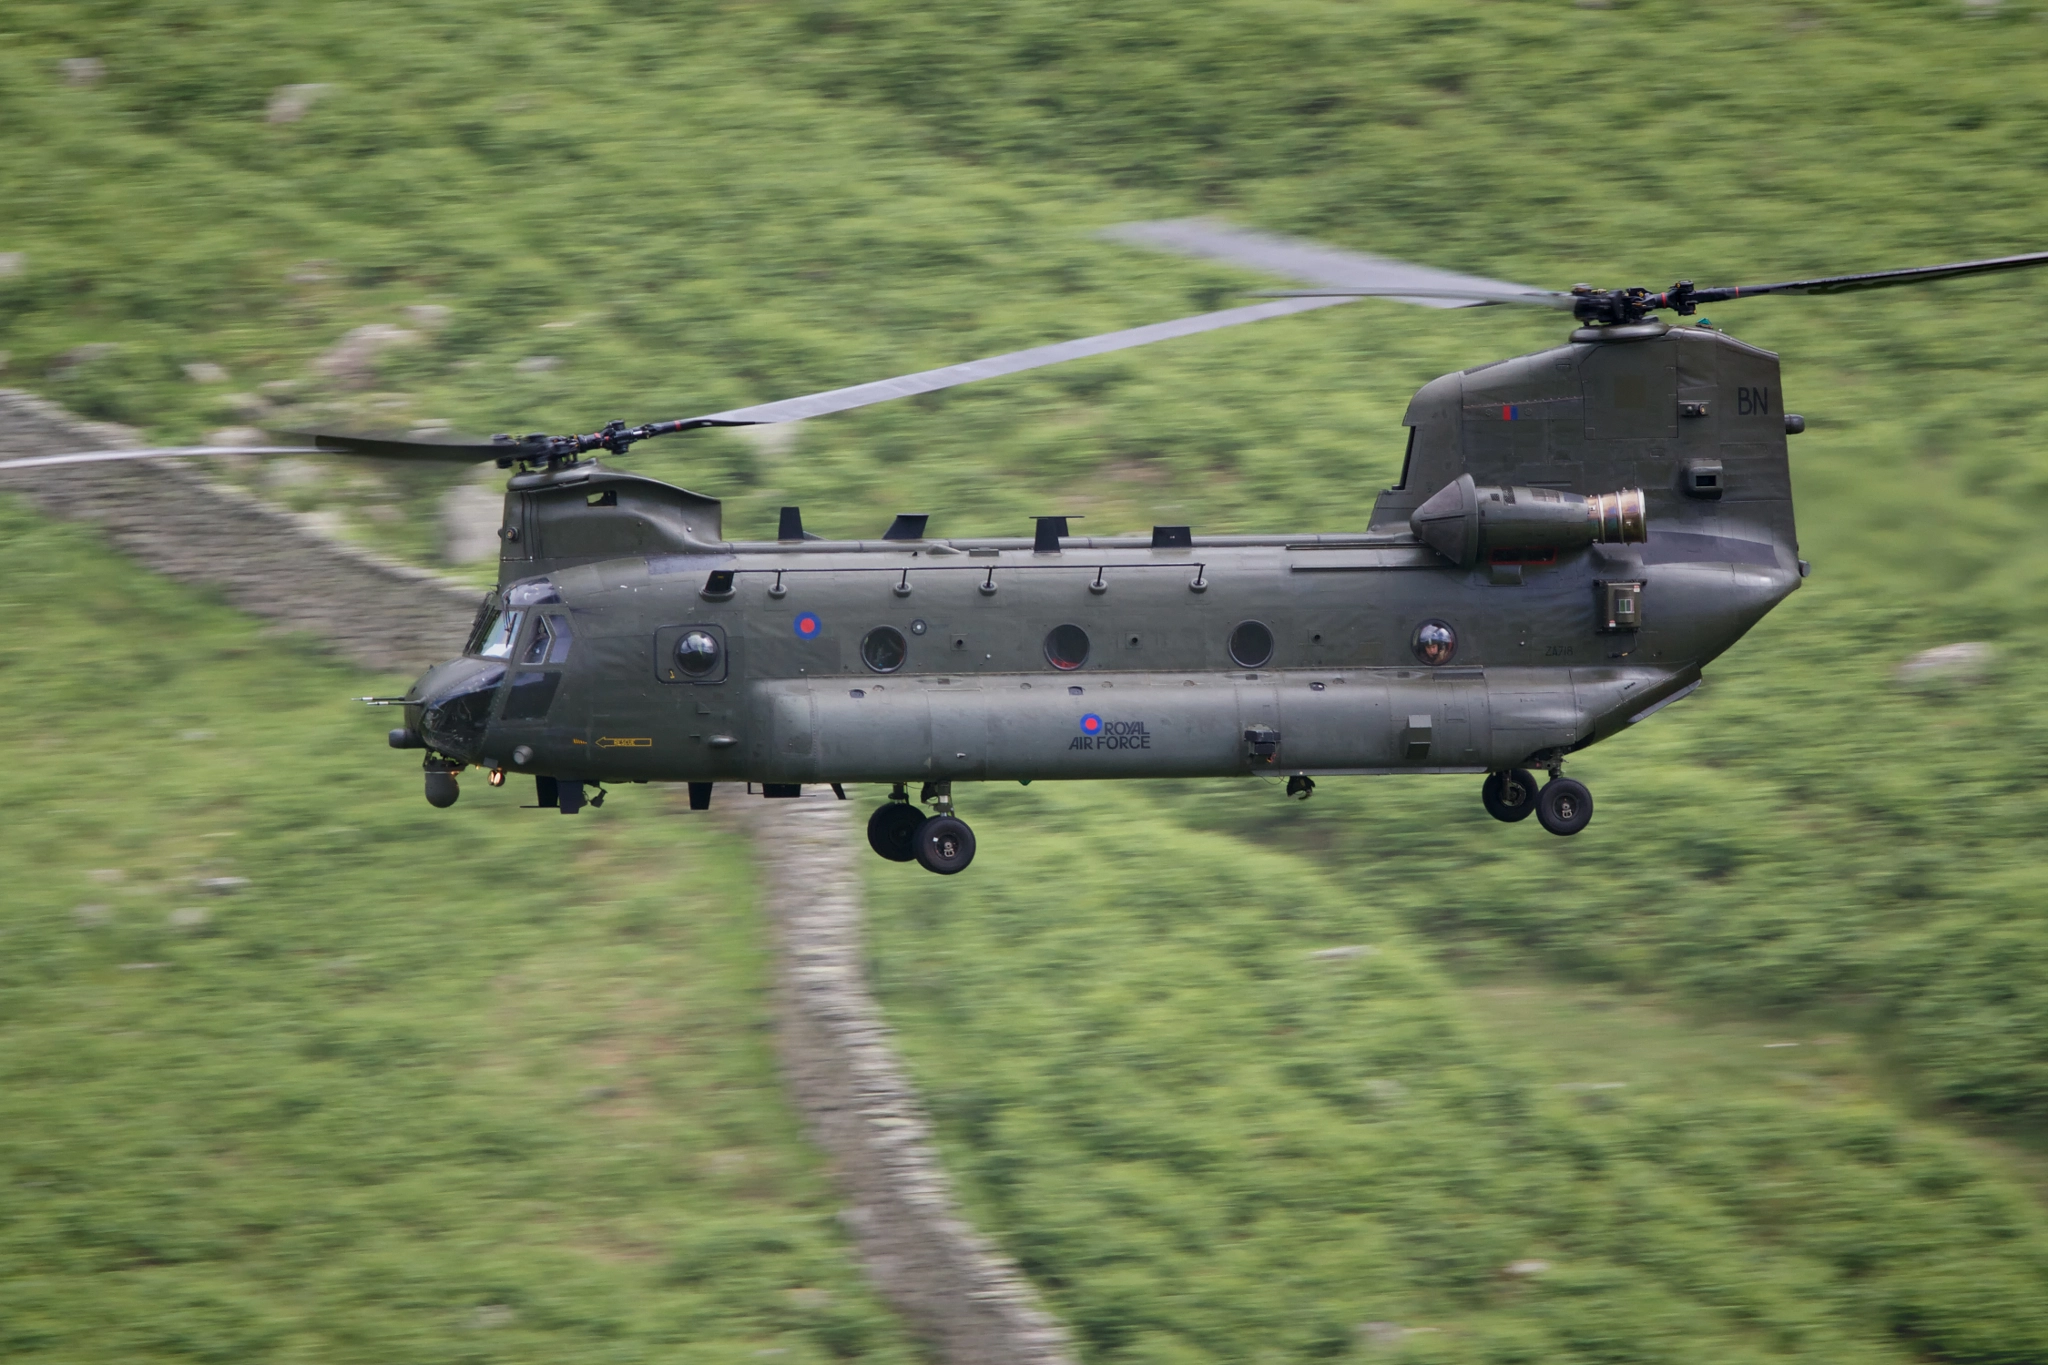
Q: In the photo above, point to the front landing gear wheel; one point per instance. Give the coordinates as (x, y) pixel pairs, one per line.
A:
(892, 831)
(1564, 806)
(1510, 795)
(945, 845)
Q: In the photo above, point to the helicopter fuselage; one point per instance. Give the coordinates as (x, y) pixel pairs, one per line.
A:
(628, 641)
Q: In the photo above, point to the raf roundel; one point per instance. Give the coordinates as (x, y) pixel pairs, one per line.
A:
(1091, 724)
(808, 625)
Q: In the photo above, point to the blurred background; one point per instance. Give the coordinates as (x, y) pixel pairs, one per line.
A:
(297, 1069)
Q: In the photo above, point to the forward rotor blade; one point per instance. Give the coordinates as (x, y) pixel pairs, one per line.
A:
(1348, 273)
(151, 453)
(1876, 279)
(1435, 298)
(402, 448)
(929, 381)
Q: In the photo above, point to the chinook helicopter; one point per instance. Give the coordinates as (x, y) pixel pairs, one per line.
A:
(1574, 536)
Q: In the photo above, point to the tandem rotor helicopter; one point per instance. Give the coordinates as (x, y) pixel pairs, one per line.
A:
(1575, 535)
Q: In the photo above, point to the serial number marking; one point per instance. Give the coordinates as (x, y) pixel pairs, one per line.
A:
(1557, 651)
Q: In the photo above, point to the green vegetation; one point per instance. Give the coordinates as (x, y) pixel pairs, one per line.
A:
(729, 204)
(421, 1091)
(1220, 1104)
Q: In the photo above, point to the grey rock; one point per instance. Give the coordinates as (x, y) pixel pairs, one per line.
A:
(491, 1315)
(189, 917)
(83, 70)
(538, 364)
(290, 103)
(381, 614)
(93, 916)
(205, 372)
(470, 517)
(1343, 953)
(1947, 665)
(351, 360)
(429, 316)
(953, 1287)
(13, 263)
(80, 356)
(1522, 1270)
(237, 436)
(224, 886)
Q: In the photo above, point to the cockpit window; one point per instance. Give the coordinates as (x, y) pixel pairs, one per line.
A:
(486, 620)
(497, 641)
(558, 630)
(537, 647)
(550, 642)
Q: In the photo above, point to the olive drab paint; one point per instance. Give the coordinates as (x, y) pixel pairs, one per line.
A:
(1537, 664)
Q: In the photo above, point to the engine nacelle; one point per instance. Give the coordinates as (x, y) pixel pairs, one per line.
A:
(1465, 523)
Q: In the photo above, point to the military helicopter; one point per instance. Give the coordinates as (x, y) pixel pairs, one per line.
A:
(1575, 535)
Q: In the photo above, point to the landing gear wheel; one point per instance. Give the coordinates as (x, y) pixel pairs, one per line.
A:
(892, 830)
(1510, 795)
(1564, 806)
(945, 845)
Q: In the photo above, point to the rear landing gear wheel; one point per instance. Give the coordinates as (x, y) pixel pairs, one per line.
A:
(892, 830)
(945, 845)
(1510, 795)
(1564, 806)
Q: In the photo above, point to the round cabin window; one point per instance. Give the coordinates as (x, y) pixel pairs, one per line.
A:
(1251, 644)
(1435, 643)
(697, 653)
(1066, 647)
(884, 649)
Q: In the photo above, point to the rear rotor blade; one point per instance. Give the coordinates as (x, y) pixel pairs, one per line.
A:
(151, 453)
(929, 381)
(1347, 273)
(1876, 279)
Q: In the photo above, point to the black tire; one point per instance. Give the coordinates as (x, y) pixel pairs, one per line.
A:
(892, 830)
(945, 845)
(1510, 796)
(1564, 806)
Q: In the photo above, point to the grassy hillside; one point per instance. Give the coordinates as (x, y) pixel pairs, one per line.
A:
(1222, 1107)
(802, 198)
(489, 1085)
(684, 208)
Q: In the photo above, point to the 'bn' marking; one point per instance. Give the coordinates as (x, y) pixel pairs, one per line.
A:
(1750, 402)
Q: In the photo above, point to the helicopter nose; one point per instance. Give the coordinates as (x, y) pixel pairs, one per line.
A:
(454, 701)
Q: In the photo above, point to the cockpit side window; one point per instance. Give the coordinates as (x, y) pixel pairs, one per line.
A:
(558, 629)
(1407, 460)
(497, 641)
(537, 648)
